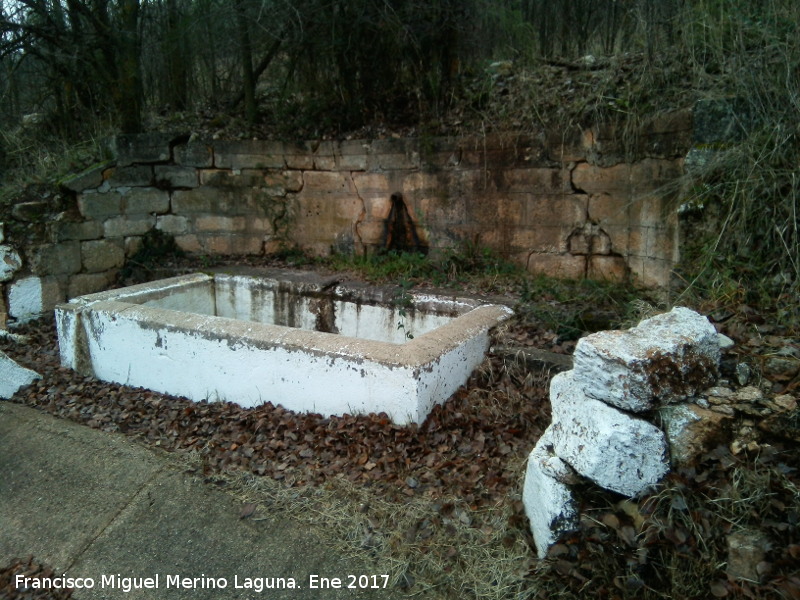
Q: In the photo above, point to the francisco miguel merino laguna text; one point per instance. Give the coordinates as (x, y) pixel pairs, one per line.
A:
(126, 584)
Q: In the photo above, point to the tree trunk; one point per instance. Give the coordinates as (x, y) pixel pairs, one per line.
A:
(129, 94)
(246, 57)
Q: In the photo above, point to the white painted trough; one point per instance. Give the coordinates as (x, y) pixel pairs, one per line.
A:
(308, 343)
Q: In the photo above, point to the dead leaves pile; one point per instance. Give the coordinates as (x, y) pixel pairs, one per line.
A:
(446, 493)
(674, 543)
(465, 448)
(29, 567)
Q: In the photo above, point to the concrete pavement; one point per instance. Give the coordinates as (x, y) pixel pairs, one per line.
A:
(98, 506)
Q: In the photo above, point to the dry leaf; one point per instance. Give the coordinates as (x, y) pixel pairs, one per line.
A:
(248, 510)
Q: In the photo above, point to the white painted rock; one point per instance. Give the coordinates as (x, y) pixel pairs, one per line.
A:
(666, 358)
(615, 450)
(548, 500)
(10, 262)
(13, 377)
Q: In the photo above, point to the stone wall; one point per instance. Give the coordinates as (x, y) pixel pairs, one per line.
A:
(566, 206)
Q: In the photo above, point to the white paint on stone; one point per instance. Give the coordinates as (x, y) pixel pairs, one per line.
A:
(10, 262)
(30, 297)
(669, 356)
(144, 336)
(617, 451)
(25, 298)
(637, 369)
(13, 377)
(549, 503)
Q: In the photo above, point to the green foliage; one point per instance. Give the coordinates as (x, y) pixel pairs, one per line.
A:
(571, 308)
(750, 189)
(468, 262)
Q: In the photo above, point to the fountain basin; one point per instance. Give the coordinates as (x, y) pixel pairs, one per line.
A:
(308, 343)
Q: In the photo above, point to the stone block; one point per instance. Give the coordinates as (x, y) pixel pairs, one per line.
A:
(89, 283)
(101, 255)
(539, 181)
(203, 200)
(692, 430)
(665, 358)
(29, 297)
(131, 176)
(371, 233)
(319, 219)
(550, 240)
(397, 162)
(324, 163)
(195, 153)
(419, 184)
(142, 148)
(10, 262)
(56, 259)
(614, 449)
(327, 182)
(13, 377)
(91, 178)
(228, 178)
(393, 154)
(241, 244)
(393, 145)
(260, 225)
(351, 162)
(248, 154)
(567, 210)
(445, 210)
(549, 503)
(100, 206)
(193, 201)
(592, 179)
(127, 226)
(561, 266)
(579, 243)
(299, 160)
(189, 243)
(219, 223)
(372, 183)
(650, 174)
(607, 268)
(170, 176)
(172, 224)
(285, 181)
(145, 201)
(31, 212)
(589, 239)
(377, 207)
(86, 230)
(651, 272)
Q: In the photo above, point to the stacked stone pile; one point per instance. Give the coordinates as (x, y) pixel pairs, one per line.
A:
(623, 412)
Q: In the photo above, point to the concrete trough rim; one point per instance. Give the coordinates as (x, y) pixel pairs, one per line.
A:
(139, 335)
(414, 354)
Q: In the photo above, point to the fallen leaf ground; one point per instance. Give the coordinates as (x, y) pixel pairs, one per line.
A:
(438, 505)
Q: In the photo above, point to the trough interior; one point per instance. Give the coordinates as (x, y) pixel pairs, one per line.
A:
(329, 308)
